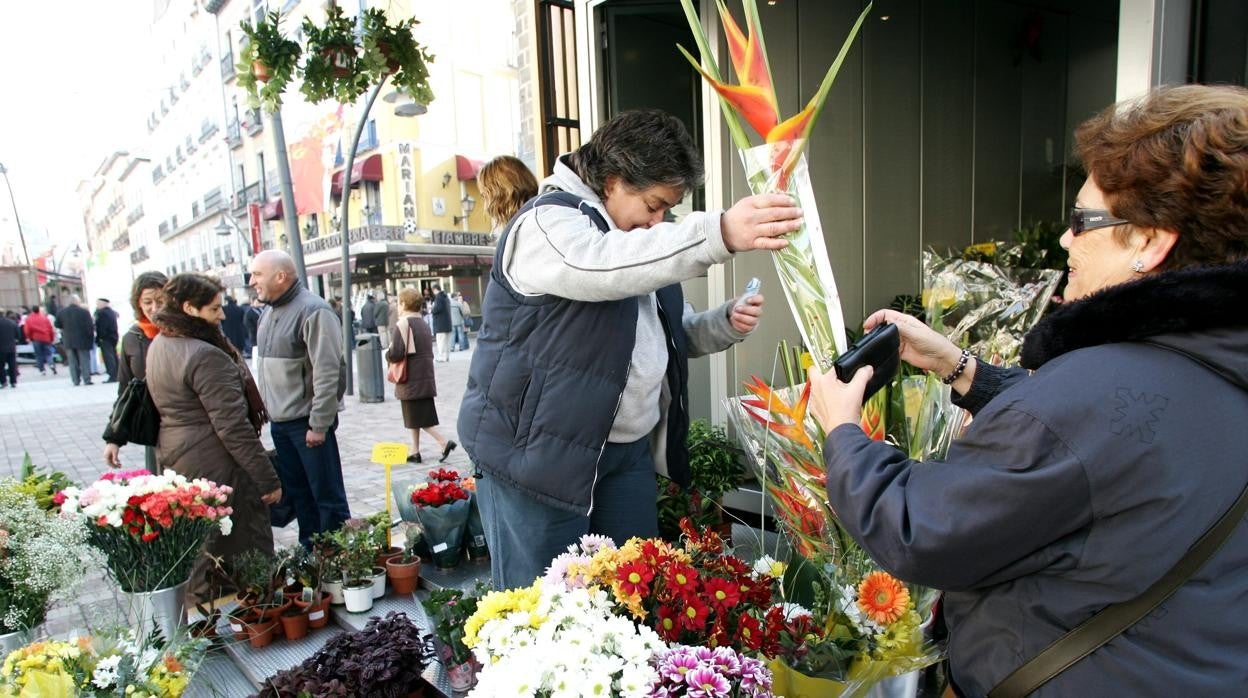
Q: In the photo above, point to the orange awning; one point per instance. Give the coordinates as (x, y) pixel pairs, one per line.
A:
(367, 170)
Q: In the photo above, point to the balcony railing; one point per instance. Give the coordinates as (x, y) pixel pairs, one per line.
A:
(207, 130)
(134, 215)
(227, 67)
(254, 122)
(233, 135)
(249, 194)
(139, 255)
(121, 242)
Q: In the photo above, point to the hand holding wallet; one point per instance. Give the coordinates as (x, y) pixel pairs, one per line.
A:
(880, 349)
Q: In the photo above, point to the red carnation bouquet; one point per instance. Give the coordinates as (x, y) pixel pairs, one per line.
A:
(150, 527)
(442, 508)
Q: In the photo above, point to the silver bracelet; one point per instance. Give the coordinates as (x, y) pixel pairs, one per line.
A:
(957, 372)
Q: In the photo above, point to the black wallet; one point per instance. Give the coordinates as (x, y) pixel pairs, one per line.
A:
(880, 349)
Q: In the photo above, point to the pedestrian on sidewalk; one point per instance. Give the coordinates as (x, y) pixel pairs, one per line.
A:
(441, 325)
(459, 336)
(233, 325)
(107, 336)
(145, 299)
(412, 342)
(381, 316)
(302, 378)
(368, 320)
(39, 332)
(78, 338)
(10, 337)
(577, 390)
(211, 414)
(251, 322)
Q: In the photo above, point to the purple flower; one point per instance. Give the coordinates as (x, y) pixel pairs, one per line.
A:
(755, 677)
(727, 661)
(677, 663)
(706, 655)
(705, 682)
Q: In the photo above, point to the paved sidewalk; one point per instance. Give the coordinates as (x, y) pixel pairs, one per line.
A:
(60, 424)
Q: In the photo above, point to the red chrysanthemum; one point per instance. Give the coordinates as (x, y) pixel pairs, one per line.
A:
(749, 632)
(693, 613)
(634, 578)
(720, 593)
(668, 625)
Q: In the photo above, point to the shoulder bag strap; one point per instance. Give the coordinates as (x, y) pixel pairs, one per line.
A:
(1113, 620)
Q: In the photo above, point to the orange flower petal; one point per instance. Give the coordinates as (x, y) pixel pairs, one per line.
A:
(756, 105)
(882, 598)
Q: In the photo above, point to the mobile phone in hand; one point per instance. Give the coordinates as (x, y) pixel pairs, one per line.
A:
(752, 287)
(880, 349)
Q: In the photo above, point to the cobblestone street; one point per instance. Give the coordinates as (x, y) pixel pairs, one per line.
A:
(60, 426)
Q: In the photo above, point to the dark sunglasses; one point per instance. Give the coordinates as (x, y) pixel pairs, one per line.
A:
(1084, 219)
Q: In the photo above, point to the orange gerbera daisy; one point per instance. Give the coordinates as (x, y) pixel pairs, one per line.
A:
(883, 598)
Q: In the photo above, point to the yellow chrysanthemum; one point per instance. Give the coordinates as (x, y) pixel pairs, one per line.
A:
(497, 604)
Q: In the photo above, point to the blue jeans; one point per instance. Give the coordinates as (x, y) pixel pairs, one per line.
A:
(524, 534)
(43, 355)
(459, 337)
(311, 478)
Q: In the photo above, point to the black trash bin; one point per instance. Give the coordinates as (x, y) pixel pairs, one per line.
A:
(370, 373)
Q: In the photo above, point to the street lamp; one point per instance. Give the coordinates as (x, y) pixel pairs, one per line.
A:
(468, 204)
(405, 105)
(75, 252)
(17, 218)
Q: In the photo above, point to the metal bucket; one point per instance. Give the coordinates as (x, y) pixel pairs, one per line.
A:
(14, 641)
(164, 609)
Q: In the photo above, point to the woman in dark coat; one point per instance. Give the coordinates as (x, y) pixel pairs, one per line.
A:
(211, 414)
(411, 341)
(145, 299)
(1081, 485)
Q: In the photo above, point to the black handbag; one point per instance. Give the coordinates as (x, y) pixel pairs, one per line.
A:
(134, 419)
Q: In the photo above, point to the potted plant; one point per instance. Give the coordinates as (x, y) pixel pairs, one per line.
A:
(357, 568)
(307, 569)
(386, 658)
(267, 62)
(380, 525)
(328, 548)
(714, 470)
(330, 68)
(404, 570)
(259, 580)
(448, 610)
(390, 49)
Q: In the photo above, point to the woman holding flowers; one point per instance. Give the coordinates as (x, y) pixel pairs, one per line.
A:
(577, 389)
(145, 299)
(1079, 486)
(211, 412)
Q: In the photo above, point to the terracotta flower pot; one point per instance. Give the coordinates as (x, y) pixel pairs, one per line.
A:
(294, 623)
(340, 59)
(318, 613)
(262, 632)
(238, 624)
(392, 63)
(260, 71)
(404, 576)
(388, 554)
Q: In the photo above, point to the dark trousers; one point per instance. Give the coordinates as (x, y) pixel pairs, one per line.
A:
(311, 478)
(524, 535)
(108, 350)
(79, 365)
(43, 355)
(8, 368)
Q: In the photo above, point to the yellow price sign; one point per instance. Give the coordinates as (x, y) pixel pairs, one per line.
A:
(389, 453)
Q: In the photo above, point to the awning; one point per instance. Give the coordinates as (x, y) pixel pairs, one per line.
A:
(466, 168)
(334, 267)
(273, 210)
(367, 170)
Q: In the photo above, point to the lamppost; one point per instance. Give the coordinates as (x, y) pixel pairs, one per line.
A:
(75, 252)
(404, 105)
(16, 217)
(225, 227)
(468, 204)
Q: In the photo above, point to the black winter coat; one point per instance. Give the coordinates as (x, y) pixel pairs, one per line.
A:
(1079, 487)
(106, 332)
(441, 313)
(77, 327)
(232, 326)
(10, 335)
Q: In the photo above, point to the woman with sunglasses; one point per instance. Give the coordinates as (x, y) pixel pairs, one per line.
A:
(1080, 485)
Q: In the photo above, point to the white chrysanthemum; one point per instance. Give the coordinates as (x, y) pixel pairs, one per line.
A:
(105, 674)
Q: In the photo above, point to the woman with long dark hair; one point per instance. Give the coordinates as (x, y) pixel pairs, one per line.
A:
(211, 413)
(145, 299)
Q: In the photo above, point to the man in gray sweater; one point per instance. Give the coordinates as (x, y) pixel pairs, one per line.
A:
(302, 377)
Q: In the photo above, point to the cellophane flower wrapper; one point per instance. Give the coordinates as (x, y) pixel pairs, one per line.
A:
(444, 531)
(985, 307)
(851, 650)
(803, 267)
